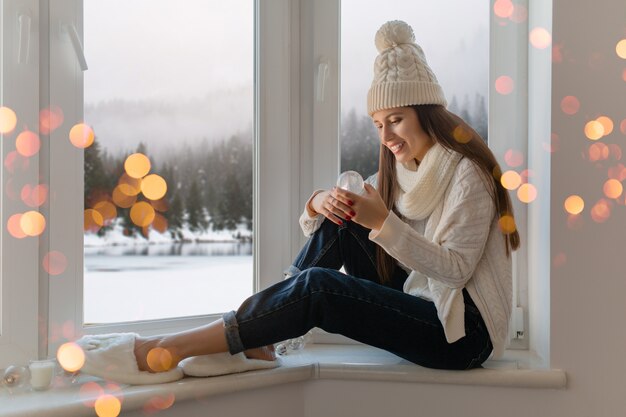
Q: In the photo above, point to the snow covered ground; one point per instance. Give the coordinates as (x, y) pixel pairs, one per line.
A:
(129, 279)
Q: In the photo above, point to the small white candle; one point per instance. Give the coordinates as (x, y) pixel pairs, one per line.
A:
(41, 373)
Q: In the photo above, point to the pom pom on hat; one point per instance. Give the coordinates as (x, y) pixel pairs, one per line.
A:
(392, 34)
(402, 76)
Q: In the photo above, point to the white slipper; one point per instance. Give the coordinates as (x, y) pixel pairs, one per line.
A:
(112, 357)
(223, 363)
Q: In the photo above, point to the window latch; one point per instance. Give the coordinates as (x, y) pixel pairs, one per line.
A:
(78, 48)
(322, 76)
(23, 23)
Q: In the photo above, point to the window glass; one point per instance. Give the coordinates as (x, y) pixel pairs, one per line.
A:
(168, 178)
(454, 35)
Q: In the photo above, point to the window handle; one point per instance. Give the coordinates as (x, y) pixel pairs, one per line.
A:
(322, 77)
(23, 22)
(78, 48)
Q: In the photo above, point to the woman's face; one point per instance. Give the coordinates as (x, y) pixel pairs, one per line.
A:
(399, 130)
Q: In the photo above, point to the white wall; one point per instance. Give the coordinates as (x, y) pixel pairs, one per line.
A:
(587, 294)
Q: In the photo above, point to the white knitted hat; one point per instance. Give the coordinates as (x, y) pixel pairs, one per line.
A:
(402, 76)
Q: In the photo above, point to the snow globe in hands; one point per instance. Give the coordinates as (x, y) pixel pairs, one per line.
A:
(351, 181)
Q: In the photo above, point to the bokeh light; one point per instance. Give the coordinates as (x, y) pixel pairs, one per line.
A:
(14, 162)
(594, 130)
(598, 152)
(153, 187)
(129, 185)
(620, 49)
(89, 393)
(606, 123)
(504, 84)
(527, 193)
(622, 126)
(553, 145)
(121, 199)
(624, 74)
(54, 262)
(601, 211)
(14, 226)
(142, 214)
(27, 143)
(161, 205)
(34, 196)
(159, 359)
(50, 119)
(461, 134)
(33, 223)
(525, 175)
(613, 188)
(615, 151)
(513, 158)
(107, 210)
(71, 357)
(574, 204)
(559, 260)
(107, 406)
(520, 13)
(506, 223)
(160, 223)
(82, 136)
(93, 220)
(540, 38)
(570, 105)
(510, 180)
(503, 8)
(617, 172)
(159, 403)
(137, 165)
(8, 120)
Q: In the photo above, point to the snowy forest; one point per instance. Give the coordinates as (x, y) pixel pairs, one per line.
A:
(209, 186)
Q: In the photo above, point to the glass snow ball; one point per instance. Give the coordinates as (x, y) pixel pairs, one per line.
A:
(351, 181)
(15, 376)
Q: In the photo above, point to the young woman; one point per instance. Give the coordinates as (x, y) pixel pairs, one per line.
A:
(428, 269)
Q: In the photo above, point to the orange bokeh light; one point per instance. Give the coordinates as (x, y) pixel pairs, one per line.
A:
(520, 13)
(14, 161)
(137, 165)
(81, 135)
(510, 180)
(159, 223)
(160, 359)
(513, 158)
(462, 134)
(50, 119)
(622, 126)
(27, 143)
(540, 38)
(506, 224)
(54, 262)
(504, 84)
(107, 406)
(159, 403)
(129, 185)
(93, 220)
(14, 226)
(121, 199)
(606, 123)
(153, 187)
(615, 151)
(598, 152)
(570, 105)
(8, 120)
(594, 130)
(34, 196)
(527, 193)
(503, 8)
(601, 211)
(71, 357)
(142, 214)
(617, 172)
(89, 392)
(574, 204)
(620, 49)
(33, 223)
(107, 210)
(613, 188)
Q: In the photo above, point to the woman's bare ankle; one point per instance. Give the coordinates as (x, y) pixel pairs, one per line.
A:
(265, 353)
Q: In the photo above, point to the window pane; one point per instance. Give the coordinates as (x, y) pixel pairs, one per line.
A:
(169, 95)
(454, 35)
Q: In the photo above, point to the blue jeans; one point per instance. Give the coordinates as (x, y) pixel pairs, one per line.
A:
(355, 305)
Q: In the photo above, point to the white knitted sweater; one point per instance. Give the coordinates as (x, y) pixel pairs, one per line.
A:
(468, 251)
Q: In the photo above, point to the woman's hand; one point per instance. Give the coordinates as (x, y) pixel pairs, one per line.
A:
(327, 205)
(368, 209)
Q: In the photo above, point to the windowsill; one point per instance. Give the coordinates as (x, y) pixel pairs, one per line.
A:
(336, 362)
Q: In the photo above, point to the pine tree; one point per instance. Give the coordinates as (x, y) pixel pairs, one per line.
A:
(195, 211)
(480, 118)
(98, 183)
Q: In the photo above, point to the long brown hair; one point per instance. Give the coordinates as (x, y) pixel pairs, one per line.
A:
(453, 133)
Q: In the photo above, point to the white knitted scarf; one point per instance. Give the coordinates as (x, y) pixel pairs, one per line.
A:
(421, 190)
